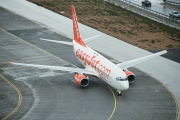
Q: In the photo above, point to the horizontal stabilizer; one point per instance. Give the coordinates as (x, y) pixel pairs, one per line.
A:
(88, 40)
(56, 41)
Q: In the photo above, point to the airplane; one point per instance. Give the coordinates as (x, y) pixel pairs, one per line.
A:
(116, 75)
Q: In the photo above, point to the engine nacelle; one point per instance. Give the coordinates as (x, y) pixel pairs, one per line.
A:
(130, 75)
(81, 80)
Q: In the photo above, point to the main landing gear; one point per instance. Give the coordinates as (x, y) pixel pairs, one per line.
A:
(119, 93)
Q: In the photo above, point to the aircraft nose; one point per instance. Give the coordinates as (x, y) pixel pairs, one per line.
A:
(125, 85)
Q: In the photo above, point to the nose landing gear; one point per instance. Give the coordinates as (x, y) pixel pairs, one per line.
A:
(119, 93)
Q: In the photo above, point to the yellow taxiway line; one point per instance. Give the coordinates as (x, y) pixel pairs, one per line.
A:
(114, 96)
(114, 108)
(19, 97)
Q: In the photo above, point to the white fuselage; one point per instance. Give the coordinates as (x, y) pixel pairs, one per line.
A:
(104, 69)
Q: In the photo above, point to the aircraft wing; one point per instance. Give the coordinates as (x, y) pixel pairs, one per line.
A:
(130, 63)
(67, 69)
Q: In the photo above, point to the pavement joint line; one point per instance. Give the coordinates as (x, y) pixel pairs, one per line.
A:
(19, 97)
(114, 108)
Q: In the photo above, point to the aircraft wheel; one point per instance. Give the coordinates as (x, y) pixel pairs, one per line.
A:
(119, 93)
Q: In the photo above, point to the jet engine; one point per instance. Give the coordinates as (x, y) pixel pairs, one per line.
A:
(130, 75)
(81, 80)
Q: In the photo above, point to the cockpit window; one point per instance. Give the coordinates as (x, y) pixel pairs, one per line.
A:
(121, 79)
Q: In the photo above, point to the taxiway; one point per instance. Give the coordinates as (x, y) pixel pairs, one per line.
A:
(50, 94)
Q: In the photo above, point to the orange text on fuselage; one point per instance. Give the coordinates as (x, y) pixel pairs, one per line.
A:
(93, 63)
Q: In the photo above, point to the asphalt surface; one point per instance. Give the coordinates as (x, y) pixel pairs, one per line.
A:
(50, 94)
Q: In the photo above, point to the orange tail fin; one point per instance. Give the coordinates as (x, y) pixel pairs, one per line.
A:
(77, 36)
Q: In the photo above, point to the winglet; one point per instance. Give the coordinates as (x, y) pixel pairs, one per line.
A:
(77, 36)
(9, 63)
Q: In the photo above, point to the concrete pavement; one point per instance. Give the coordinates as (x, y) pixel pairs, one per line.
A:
(164, 70)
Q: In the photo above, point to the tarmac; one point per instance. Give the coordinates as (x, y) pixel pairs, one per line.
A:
(52, 95)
